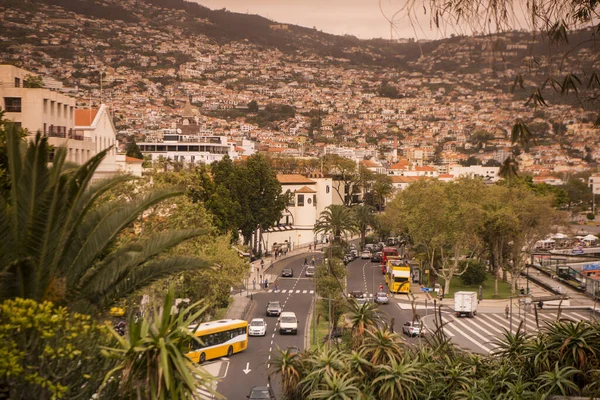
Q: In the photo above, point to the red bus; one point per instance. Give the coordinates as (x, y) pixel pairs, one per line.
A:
(385, 253)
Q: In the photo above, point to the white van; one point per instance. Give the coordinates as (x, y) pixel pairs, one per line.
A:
(288, 323)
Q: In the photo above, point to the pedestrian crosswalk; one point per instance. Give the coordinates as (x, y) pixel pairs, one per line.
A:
(290, 291)
(478, 334)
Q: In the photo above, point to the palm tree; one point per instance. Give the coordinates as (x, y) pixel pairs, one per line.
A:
(336, 220)
(289, 367)
(362, 317)
(381, 346)
(152, 361)
(58, 242)
(558, 381)
(509, 169)
(382, 189)
(400, 379)
(324, 364)
(338, 387)
(364, 217)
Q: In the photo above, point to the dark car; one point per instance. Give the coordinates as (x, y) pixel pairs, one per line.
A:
(273, 309)
(287, 272)
(260, 393)
(376, 257)
(357, 294)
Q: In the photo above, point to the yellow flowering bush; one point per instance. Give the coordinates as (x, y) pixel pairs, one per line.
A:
(47, 352)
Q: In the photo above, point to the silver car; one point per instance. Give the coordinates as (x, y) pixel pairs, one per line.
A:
(381, 298)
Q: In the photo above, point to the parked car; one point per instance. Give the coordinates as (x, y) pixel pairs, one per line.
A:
(257, 327)
(288, 323)
(261, 393)
(414, 328)
(381, 298)
(273, 309)
(310, 271)
(348, 258)
(365, 255)
(376, 257)
(354, 253)
(287, 272)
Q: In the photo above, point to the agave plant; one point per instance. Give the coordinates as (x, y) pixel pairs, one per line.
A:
(57, 242)
(152, 361)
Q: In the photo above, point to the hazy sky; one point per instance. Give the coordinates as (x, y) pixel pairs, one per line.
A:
(361, 18)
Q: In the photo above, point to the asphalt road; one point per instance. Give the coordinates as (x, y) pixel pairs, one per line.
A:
(366, 276)
(249, 368)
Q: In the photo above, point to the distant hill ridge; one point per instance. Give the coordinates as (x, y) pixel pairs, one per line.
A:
(224, 26)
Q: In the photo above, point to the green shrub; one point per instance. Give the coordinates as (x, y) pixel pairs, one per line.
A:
(591, 216)
(47, 352)
(475, 273)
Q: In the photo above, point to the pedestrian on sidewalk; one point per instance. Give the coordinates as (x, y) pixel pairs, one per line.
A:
(506, 311)
(305, 261)
(312, 262)
(257, 270)
(266, 283)
(254, 283)
(309, 247)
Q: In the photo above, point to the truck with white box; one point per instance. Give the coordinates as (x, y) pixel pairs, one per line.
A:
(465, 303)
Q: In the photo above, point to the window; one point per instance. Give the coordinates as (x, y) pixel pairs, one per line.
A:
(17, 82)
(327, 189)
(300, 200)
(314, 200)
(12, 104)
(308, 201)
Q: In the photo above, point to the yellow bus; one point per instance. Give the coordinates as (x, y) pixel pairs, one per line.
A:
(397, 276)
(219, 339)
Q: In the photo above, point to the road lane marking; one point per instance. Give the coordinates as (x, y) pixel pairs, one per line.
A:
(273, 335)
(583, 318)
(283, 291)
(304, 291)
(464, 325)
(446, 326)
(297, 291)
(499, 330)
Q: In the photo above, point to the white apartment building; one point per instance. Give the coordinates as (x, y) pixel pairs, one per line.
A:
(309, 197)
(490, 174)
(84, 133)
(204, 149)
(42, 110)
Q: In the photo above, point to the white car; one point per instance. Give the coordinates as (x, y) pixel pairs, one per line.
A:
(257, 327)
(365, 255)
(288, 323)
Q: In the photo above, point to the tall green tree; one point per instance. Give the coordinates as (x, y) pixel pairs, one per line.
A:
(132, 149)
(365, 218)
(58, 243)
(250, 187)
(445, 219)
(336, 220)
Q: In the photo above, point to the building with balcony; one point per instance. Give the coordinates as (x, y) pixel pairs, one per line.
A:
(173, 145)
(83, 132)
(42, 110)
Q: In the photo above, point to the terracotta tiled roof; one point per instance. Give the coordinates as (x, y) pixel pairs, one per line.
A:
(293, 179)
(305, 189)
(85, 117)
(404, 179)
(133, 160)
(369, 163)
